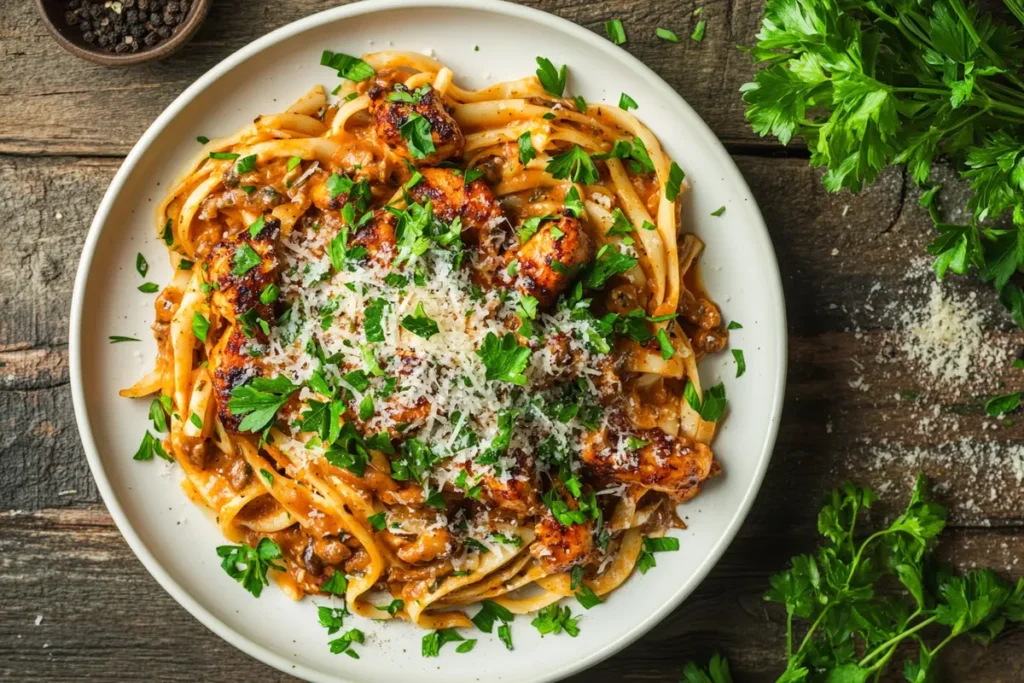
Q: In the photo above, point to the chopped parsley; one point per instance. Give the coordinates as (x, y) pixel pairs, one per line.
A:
(373, 326)
(526, 151)
(713, 405)
(733, 325)
(616, 33)
(435, 640)
(675, 180)
(259, 401)
(267, 477)
(581, 104)
(719, 211)
(572, 202)
(741, 364)
(420, 323)
(344, 643)
(245, 164)
(224, 156)
(249, 565)
(698, 31)
(149, 447)
(244, 260)
(555, 619)
(116, 339)
(626, 102)
(552, 80)
(202, 139)
(504, 359)
(347, 66)
(200, 326)
(655, 545)
(140, 265)
(668, 35)
(667, 350)
(490, 612)
(293, 162)
(417, 134)
(574, 164)
(377, 521)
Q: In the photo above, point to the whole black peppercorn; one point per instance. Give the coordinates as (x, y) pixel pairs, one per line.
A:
(89, 37)
(164, 31)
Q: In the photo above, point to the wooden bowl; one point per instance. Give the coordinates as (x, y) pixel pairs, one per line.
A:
(70, 38)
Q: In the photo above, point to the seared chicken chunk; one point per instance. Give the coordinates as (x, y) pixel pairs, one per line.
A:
(240, 267)
(377, 236)
(674, 465)
(420, 535)
(560, 548)
(451, 197)
(392, 105)
(231, 366)
(517, 494)
(549, 259)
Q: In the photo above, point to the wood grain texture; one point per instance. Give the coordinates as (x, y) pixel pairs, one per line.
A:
(845, 265)
(54, 103)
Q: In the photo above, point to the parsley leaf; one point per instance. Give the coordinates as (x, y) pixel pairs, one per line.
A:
(347, 66)
(553, 80)
(666, 34)
(555, 619)
(626, 102)
(416, 132)
(616, 33)
(574, 164)
(259, 401)
(526, 151)
(244, 259)
(435, 640)
(249, 565)
(420, 323)
(504, 359)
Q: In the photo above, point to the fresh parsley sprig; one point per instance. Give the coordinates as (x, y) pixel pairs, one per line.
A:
(869, 84)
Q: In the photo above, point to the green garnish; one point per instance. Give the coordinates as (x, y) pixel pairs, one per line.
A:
(698, 31)
(435, 640)
(616, 33)
(249, 565)
(420, 323)
(259, 401)
(552, 80)
(719, 211)
(504, 359)
(224, 156)
(626, 102)
(417, 134)
(245, 164)
(741, 363)
(713, 405)
(668, 35)
(200, 326)
(574, 164)
(526, 151)
(149, 288)
(347, 66)
(114, 339)
(675, 180)
(140, 265)
(555, 619)
(244, 259)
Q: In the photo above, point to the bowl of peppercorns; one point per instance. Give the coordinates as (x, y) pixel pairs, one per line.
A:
(122, 32)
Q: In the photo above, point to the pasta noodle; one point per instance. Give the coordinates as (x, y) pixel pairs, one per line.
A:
(440, 342)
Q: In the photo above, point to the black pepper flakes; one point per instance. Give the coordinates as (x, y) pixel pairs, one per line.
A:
(123, 26)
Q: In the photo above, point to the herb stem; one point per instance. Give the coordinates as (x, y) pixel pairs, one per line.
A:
(893, 641)
(961, 13)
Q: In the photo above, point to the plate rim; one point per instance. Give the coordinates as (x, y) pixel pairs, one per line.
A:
(110, 498)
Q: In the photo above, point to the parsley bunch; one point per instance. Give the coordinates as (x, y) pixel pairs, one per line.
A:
(854, 625)
(872, 83)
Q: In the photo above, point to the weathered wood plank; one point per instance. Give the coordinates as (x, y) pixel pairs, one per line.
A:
(54, 103)
(71, 568)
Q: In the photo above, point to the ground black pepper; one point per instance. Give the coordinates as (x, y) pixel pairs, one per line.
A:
(126, 25)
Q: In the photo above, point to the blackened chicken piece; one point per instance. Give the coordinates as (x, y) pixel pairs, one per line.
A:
(550, 259)
(560, 548)
(392, 105)
(232, 365)
(240, 268)
(451, 197)
(377, 236)
(674, 465)
(516, 494)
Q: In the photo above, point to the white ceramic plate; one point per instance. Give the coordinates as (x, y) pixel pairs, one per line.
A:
(176, 540)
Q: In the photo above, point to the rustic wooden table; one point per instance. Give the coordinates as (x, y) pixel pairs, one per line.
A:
(75, 603)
